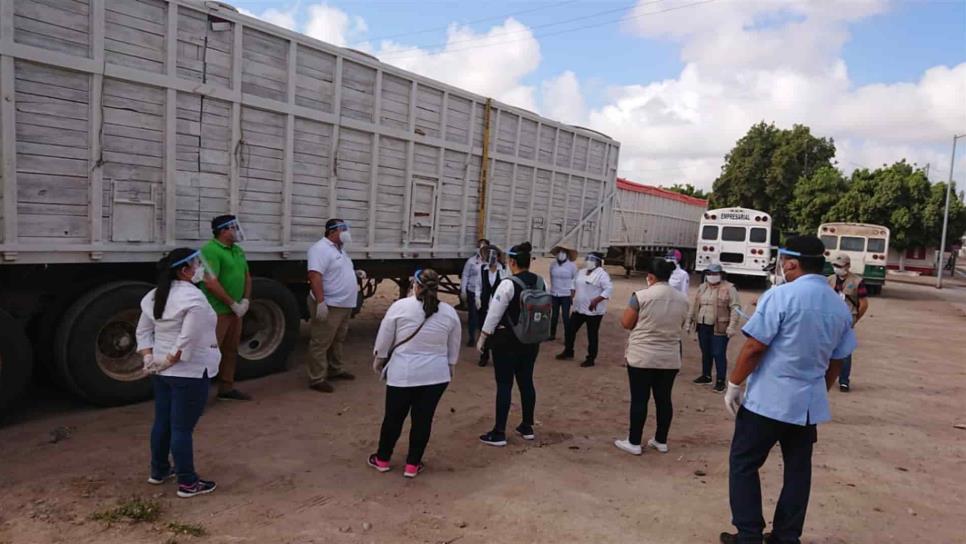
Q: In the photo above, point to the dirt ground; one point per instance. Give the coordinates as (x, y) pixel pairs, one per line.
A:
(290, 466)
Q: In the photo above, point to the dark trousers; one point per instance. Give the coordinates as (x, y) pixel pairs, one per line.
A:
(577, 320)
(846, 370)
(513, 361)
(644, 381)
(178, 404)
(713, 347)
(420, 404)
(561, 305)
(472, 318)
(754, 437)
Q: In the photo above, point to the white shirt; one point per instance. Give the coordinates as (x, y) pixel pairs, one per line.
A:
(339, 284)
(680, 280)
(427, 357)
(562, 278)
(471, 275)
(187, 324)
(590, 286)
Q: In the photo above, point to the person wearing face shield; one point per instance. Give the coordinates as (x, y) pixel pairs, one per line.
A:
(563, 273)
(714, 313)
(851, 287)
(470, 289)
(592, 289)
(491, 274)
(795, 343)
(177, 342)
(680, 279)
(333, 294)
(229, 288)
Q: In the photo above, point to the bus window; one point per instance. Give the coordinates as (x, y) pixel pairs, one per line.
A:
(709, 232)
(758, 235)
(877, 245)
(831, 242)
(852, 243)
(733, 234)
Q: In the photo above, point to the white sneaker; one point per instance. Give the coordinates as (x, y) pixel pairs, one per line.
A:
(628, 447)
(657, 445)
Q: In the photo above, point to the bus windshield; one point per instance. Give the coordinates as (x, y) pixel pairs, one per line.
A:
(709, 232)
(733, 234)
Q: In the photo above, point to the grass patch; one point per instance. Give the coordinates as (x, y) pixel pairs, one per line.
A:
(134, 510)
(186, 529)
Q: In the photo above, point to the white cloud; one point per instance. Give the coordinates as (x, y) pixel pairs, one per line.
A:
(562, 99)
(282, 17)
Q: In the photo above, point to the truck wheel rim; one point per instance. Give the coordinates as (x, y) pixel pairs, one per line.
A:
(117, 347)
(262, 330)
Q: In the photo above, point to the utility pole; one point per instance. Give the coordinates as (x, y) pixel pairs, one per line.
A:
(942, 241)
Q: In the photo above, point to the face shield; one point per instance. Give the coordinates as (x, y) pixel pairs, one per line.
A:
(591, 262)
(200, 270)
(345, 236)
(238, 233)
(493, 258)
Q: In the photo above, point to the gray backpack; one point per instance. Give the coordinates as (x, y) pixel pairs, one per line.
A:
(533, 323)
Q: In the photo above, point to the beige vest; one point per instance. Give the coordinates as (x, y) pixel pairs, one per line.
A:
(850, 290)
(655, 341)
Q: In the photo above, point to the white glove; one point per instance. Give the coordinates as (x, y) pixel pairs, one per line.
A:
(479, 303)
(481, 343)
(733, 397)
(240, 308)
(321, 311)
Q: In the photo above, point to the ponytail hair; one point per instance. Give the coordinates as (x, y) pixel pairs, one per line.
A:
(520, 254)
(428, 280)
(166, 275)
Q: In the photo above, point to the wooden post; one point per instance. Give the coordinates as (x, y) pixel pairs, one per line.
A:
(484, 170)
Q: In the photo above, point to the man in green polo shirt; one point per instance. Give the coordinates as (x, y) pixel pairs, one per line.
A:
(228, 289)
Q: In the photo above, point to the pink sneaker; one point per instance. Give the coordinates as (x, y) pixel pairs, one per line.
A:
(412, 470)
(378, 464)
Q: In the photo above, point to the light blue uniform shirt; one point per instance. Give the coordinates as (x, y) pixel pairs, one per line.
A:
(804, 324)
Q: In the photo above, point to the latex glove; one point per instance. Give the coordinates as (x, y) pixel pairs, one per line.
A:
(479, 303)
(481, 343)
(379, 363)
(240, 308)
(733, 397)
(321, 311)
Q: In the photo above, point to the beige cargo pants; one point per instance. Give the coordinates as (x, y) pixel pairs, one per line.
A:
(325, 347)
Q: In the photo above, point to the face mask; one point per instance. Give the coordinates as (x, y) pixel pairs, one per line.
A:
(590, 265)
(345, 237)
(198, 275)
(561, 257)
(840, 272)
(714, 280)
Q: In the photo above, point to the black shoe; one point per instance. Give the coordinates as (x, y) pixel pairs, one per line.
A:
(525, 432)
(728, 538)
(200, 487)
(483, 361)
(703, 380)
(565, 356)
(322, 387)
(494, 438)
(234, 394)
(341, 376)
(719, 386)
(844, 387)
(587, 363)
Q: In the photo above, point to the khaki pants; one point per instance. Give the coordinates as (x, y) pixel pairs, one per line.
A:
(228, 331)
(325, 347)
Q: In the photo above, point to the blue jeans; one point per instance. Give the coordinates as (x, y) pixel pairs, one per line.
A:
(714, 347)
(178, 404)
(561, 305)
(472, 318)
(846, 371)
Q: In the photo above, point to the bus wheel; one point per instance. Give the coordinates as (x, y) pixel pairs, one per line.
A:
(16, 360)
(95, 347)
(269, 330)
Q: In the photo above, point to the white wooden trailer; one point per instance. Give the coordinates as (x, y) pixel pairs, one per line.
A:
(126, 125)
(648, 221)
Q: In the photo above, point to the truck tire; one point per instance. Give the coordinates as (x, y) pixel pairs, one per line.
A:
(16, 360)
(269, 330)
(95, 348)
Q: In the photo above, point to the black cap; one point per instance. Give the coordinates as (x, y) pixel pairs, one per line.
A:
(333, 224)
(806, 246)
(219, 223)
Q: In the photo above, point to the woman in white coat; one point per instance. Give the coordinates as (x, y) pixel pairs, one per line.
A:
(416, 349)
(176, 339)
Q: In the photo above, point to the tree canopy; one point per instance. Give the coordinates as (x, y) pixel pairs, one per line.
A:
(689, 190)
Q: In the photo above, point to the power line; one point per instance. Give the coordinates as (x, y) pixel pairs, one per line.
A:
(475, 21)
(414, 54)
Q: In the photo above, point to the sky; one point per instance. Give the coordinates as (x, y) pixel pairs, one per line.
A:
(677, 82)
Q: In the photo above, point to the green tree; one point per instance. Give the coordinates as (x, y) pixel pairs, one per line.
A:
(814, 197)
(765, 165)
(688, 189)
(933, 215)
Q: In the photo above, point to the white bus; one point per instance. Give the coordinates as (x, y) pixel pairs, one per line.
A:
(738, 238)
(866, 245)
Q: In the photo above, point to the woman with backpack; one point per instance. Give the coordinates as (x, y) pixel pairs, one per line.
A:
(519, 302)
(416, 349)
(491, 274)
(177, 342)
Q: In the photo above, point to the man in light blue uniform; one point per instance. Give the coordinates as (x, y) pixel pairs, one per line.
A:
(796, 341)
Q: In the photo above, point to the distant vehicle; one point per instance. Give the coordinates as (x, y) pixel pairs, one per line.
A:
(866, 245)
(738, 238)
(648, 221)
